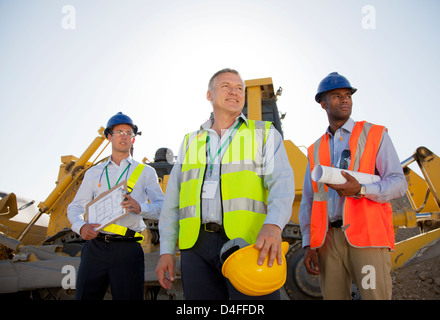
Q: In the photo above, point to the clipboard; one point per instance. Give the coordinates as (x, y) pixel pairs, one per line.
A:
(106, 208)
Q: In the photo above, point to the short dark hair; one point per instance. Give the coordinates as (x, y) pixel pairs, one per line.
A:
(225, 70)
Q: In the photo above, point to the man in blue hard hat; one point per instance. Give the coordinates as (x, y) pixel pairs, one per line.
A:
(114, 256)
(347, 229)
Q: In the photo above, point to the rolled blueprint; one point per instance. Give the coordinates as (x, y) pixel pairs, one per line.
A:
(334, 176)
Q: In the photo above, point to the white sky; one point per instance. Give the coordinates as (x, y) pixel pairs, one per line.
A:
(152, 60)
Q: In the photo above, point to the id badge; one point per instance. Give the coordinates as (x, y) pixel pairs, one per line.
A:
(209, 189)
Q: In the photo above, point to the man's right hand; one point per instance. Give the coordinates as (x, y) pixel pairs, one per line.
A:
(311, 261)
(165, 264)
(88, 231)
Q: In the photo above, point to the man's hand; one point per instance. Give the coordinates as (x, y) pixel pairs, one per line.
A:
(88, 231)
(165, 264)
(311, 261)
(350, 188)
(269, 242)
(131, 204)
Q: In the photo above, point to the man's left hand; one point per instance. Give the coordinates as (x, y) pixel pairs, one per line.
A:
(269, 242)
(131, 204)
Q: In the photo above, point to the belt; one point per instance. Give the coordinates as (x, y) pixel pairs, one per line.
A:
(119, 232)
(212, 227)
(336, 224)
(116, 238)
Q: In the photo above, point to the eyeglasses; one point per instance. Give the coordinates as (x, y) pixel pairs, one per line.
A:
(120, 133)
(345, 157)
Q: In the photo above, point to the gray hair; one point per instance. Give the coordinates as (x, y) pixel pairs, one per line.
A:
(225, 70)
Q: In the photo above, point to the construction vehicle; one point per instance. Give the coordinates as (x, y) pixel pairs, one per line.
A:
(34, 256)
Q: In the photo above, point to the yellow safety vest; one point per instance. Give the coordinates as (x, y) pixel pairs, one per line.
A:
(121, 230)
(244, 198)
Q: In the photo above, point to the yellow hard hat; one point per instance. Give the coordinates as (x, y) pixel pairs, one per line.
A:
(242, 269)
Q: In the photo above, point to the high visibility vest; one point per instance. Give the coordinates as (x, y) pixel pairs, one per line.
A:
(243, 196)
(366, 223)
(131, 182)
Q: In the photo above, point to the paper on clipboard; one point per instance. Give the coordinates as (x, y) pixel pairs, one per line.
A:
(106, 208)
(333, 175)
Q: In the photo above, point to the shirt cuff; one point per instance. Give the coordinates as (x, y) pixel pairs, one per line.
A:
(372, 189)
(76, 227)
(305, 240)
(167, 247)
(277, 220)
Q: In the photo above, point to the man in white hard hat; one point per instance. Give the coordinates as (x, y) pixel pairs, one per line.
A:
(218, 191)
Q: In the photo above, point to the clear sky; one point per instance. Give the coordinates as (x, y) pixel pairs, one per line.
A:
(67, 66)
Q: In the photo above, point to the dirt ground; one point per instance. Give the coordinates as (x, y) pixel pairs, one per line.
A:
(419, 278)
(420, 281)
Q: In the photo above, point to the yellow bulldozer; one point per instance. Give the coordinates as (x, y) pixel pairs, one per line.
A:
(37, 256)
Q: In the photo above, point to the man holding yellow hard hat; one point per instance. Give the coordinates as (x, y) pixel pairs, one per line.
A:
(232, 180)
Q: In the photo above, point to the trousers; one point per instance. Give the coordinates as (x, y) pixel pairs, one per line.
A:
(119, 265)
(341, 264)
(202, 278)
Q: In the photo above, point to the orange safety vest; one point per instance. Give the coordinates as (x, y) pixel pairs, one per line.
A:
(366, 223)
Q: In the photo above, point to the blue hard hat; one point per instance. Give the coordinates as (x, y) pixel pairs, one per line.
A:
(333, 81)
(119, 118)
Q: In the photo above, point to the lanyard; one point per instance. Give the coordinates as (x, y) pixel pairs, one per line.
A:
(212, 158)
(108, 181)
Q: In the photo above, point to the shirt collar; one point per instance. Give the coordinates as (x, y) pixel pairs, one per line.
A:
(208, 124)
(347, 126)
(109, 160)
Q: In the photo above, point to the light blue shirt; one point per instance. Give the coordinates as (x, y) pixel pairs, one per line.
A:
(391, 186)
(277, 176)
(95, 182)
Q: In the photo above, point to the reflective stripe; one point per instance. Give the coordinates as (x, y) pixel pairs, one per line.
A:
(260, 139)
(244, 204)
(319, 188)
(361, 142)
(195, 152)
(320, 196)
(190, 174)
(188, 140)
(187, 212)
(316, 153)
(238, 166)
